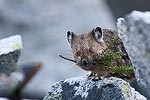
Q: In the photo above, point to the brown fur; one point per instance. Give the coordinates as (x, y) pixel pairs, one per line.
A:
(86, 46)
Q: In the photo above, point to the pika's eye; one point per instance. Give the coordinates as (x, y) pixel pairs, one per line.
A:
(77, 53)
(69, 36)
(90, 50)
(98, 34)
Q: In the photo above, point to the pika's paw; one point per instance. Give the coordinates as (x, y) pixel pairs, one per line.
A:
(94, 77)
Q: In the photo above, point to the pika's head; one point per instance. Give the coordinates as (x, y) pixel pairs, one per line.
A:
(86, 47)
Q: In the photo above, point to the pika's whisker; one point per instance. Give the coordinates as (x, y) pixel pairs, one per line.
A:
(66, 58)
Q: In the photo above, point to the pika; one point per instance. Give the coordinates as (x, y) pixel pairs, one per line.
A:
(87, 50)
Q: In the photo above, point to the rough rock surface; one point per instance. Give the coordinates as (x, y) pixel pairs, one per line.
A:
(83, 88)
(134, 30)
(9, 54)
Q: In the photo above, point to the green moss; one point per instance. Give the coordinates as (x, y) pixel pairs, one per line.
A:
(121, 69)
(113, 59)
(109, 57)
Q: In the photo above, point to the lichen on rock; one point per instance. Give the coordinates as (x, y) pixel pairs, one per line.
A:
(55, 92)
(10, 49)
(134, 31)
(9, 53)
(83, 88)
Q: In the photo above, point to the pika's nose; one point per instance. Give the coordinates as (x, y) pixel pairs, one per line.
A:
(85, 62)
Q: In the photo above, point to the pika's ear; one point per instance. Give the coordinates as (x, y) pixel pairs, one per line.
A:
(98, 34)
(70, 36)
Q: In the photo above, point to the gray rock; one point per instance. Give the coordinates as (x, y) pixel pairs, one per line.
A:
(83, 88)
(134, 30)
(9, 53)
(8, 62)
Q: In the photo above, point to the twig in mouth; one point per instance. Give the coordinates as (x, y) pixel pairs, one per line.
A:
(66, 58)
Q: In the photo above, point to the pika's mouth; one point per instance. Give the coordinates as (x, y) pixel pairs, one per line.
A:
(85, 63)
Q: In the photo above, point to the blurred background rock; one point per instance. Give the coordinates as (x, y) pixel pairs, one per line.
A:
(43, 25)
(122, 7)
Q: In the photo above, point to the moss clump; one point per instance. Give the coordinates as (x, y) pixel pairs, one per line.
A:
(121, 69)
(108, 57)
(112, 59)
